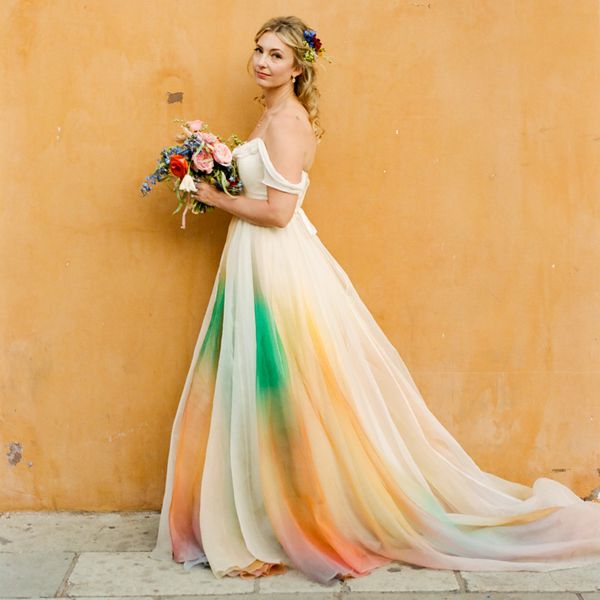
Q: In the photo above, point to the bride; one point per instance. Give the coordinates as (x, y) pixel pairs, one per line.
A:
(300, 439)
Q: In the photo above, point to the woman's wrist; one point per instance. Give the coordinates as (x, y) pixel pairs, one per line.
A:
(221, 199)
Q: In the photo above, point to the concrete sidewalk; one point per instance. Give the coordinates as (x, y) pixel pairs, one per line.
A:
(105, 555)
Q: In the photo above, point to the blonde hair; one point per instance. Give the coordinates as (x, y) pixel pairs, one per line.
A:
(291, 31)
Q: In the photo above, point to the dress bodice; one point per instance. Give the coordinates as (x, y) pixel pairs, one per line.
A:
(257, 171)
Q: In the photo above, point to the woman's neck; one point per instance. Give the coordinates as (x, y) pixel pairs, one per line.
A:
(277, 98)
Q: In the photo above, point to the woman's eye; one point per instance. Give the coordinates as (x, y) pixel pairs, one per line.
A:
(274, 55)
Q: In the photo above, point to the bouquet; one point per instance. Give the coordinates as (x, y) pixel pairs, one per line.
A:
(199, 155)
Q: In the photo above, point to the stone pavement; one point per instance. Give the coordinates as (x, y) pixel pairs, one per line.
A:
(105, 555)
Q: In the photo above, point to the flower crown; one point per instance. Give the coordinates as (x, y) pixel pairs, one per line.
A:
(314, 49)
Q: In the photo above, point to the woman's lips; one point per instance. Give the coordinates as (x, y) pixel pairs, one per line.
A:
(261, 74)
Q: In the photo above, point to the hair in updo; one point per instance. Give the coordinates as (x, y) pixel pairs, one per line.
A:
(291, 31)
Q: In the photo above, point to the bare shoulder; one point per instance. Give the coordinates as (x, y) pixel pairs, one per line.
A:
(285, 148)
(291, 132)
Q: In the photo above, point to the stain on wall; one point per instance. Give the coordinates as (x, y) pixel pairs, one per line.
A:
(15, 453)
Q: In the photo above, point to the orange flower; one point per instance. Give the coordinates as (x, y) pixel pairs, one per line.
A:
(178, 166)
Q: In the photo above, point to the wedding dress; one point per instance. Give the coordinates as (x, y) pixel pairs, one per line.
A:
(301, 440)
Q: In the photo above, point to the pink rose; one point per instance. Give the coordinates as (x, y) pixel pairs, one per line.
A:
(209, 138)
(203, 161)
(195, 126)
(222, 154)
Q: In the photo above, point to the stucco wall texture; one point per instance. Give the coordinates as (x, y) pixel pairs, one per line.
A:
(457, 184)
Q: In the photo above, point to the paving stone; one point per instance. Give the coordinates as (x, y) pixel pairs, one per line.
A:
(250, 596)
(577, 579)
(135, 573)
(525, 581)
(33, 574)
(402, 578)
(461, 596)
(260, 596)
(77, 531)
(291, 596)
(294, 582)
(591, 596)
(273, 596)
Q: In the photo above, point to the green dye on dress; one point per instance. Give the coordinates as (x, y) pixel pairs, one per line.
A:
(272, 374)
(211, 345)
(273, 386)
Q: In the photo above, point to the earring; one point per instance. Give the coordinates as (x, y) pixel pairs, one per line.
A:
(293, 79)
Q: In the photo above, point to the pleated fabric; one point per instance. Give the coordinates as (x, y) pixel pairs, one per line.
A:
(301, 440)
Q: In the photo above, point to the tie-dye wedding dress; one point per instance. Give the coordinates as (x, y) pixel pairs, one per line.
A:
(301, 439)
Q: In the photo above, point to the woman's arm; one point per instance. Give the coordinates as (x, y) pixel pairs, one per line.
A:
(266, 213)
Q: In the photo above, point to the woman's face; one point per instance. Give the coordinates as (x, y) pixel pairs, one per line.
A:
(272, 61)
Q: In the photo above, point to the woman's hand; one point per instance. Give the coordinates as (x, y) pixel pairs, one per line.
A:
(208, 194)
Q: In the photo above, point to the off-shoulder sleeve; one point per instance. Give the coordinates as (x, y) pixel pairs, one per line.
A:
(273, 178)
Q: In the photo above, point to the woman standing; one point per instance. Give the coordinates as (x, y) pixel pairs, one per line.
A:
(300, 438)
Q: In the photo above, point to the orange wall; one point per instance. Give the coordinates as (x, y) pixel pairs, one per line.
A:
(457, 184)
